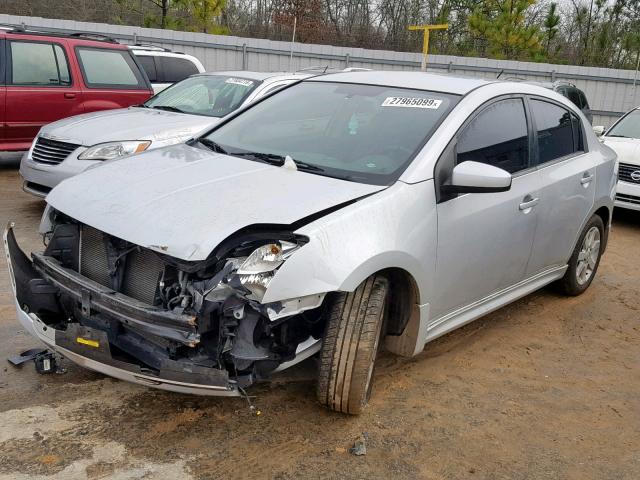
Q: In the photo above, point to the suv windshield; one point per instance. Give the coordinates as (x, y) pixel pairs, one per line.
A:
(362, 133)
(627, 127)
(211, 95)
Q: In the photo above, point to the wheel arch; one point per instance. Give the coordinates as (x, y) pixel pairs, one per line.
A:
(605, 213)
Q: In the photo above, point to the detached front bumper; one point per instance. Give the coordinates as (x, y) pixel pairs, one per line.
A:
(37, 283)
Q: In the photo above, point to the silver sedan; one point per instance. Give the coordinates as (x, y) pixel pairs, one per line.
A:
(72, 145)
(342, 214)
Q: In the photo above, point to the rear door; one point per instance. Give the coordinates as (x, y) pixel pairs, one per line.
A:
(3, 95)
(40, 89)
(112, 78)
(567, 175)
(151, 67)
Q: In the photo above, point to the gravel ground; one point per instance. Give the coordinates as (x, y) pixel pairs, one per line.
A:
(547, 387)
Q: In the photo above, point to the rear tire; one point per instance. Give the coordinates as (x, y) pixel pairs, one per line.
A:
(585, 259)
(350, 346)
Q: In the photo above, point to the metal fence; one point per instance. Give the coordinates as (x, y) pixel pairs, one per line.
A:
(610, 92)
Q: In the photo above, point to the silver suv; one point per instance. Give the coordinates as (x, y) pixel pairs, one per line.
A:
(341, 214)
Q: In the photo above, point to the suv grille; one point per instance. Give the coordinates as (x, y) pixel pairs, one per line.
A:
(142, 268)
(51, 152)
(625, 170)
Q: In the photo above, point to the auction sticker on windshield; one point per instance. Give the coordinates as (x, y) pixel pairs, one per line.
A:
(240, 81)
(411, 102)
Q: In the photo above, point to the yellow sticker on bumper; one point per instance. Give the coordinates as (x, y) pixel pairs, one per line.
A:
(86, 341)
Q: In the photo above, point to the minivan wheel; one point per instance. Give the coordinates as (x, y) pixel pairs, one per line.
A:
(585, 258)
(350, 346)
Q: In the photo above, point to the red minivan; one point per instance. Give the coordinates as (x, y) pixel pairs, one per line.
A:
(46, 77)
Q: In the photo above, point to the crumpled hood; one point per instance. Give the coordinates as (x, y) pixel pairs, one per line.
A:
(627, 149)
(183, 201)
(131, 123)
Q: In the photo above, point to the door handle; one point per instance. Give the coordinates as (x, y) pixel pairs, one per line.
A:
(69, 95)
(528, 202)
(586, 178)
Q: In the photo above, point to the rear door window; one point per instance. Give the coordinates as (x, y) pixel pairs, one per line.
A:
(106, 68)
(498, 136)
(559, 131)
(176, 69)
(38, 63)
(149, 65)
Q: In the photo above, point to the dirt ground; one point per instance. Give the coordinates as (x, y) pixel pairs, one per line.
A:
(546, 388)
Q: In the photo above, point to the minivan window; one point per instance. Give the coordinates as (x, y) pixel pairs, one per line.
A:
(555, 131)
(498, 136)
(361, 133)
(211, 95)
(176, 69)
(36, 63)
(109, 68)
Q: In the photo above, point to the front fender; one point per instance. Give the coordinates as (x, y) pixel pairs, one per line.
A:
(395, 228)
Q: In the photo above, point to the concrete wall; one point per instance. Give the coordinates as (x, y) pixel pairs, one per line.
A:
(610, 92)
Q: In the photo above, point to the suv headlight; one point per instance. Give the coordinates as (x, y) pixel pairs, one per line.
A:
(258, 269)
(111, 150)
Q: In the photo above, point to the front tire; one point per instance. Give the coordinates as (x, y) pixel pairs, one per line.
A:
(350, 346)
(585, 259)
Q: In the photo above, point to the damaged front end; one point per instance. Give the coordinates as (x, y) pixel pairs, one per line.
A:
(139, 315)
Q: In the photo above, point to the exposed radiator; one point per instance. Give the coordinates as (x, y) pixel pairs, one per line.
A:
(142, 267)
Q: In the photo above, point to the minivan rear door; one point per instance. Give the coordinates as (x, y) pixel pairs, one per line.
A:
(3, 94)
(40, 89)
(112, 78)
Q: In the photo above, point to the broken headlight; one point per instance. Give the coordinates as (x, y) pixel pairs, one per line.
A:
(258, 269)
(111, 150)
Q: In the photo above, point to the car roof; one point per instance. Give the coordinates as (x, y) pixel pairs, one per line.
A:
(260, 76)
(415, 80)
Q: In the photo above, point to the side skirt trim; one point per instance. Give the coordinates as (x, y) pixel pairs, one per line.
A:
(492, 302)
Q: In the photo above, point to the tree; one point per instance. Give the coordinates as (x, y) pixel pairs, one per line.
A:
(204, 12)
(502, 24)
(550, 26)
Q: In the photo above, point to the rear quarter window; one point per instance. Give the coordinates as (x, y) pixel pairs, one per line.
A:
(105, 68)
(176, 69)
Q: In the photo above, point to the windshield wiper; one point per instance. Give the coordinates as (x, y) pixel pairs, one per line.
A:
(618, 136)
(168, 108)
(211, 145)
(278, 160)
(307, 166)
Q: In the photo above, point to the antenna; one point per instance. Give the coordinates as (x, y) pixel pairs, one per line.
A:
(293, 39)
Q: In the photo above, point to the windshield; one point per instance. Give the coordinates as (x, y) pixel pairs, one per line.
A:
(627, 127)
(362, 133)
(211, 95)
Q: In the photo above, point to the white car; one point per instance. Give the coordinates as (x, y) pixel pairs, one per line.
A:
(165, 67)
(342, 213)
(70, 146)
(624, 138)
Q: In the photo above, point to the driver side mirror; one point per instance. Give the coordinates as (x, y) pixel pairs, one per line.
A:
(599, 130)
(476, 177)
